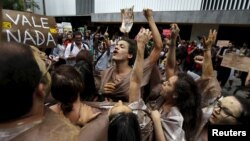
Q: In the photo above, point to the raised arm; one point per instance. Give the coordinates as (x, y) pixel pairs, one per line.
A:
(247, 82)
(171, 58)
(207, 67)
(155, 54)
(137, 72)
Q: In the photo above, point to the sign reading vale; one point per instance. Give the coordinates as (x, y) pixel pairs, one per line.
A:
(29, 28)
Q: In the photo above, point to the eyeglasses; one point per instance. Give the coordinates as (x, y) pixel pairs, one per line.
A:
(224, 110)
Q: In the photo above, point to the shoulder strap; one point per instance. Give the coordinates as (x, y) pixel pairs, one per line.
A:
(98, 59)
(71, 47)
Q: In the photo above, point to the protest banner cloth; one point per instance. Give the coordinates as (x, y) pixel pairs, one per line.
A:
(29, 28)
(235, 61)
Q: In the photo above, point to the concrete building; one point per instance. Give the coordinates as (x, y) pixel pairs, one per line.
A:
(195, 17)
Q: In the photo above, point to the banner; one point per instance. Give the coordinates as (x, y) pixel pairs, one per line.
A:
(29, 28)
(127, 15)
(235, 61)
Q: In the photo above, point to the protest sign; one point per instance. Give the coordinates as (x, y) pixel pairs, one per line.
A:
(1, 7)
(235, 61)
(222, 43)
(127, 16)
(29, 28)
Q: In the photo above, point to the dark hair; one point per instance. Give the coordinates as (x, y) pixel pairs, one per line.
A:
(77, 33)
(19, 77)
(131, 49)
(180, 54)
(66, 86)
(124, 127)
(60, 40)
(85, 67)
(244, 117)
(188, 102)
(84, 55)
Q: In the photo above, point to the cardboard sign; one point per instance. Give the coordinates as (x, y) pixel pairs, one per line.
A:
(235, 61)
(127, 15)
(29, 28)
(222, 43)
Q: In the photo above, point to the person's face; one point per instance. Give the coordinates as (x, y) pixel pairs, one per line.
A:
(119, 107)
(121, 51)
(78, 39)
(101, 46)
(168, 87)
(69, 36)
(226, 111)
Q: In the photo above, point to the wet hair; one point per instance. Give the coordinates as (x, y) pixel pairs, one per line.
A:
(85, 67)
(66, 86)
(19, 78)
(244, 117)
(124, 127)
(188, 102)
(84, 55)
(132, 48)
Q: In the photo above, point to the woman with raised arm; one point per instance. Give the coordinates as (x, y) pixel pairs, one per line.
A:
(115, 80)
(179, 92)
(172, 120)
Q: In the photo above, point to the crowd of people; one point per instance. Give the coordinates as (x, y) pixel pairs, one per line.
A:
(90, 87)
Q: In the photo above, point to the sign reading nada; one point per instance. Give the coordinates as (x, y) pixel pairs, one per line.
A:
(29, 28)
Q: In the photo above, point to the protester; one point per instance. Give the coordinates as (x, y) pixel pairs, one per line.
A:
(170, 118)
(24, 84)
(72, 49)
(230, 110)
(123, 124)
(84, 65)
(208, 83)
(67, 85)
(115, 80)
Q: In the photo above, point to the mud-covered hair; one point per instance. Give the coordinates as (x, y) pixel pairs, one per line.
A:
(131, 49)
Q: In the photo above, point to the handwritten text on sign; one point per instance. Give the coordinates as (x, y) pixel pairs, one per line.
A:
(29, 28)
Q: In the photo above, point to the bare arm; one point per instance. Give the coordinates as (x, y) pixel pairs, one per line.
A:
(97, 30)
(171, 58)
(155, 54)
(218, 54)
(207, 67)
(137, 73)
(159, 134)
(247, 82)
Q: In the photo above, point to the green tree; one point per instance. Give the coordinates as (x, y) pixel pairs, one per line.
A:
(20, 5)
(13, 5)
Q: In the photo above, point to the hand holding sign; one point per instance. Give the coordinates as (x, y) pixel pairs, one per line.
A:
(127, 15)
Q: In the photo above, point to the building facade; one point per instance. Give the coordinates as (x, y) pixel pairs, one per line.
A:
(230, 17)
